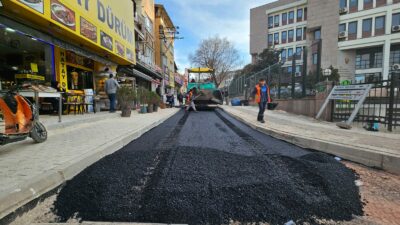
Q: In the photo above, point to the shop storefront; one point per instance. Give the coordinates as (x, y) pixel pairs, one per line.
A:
(70, 44)
(24, 59)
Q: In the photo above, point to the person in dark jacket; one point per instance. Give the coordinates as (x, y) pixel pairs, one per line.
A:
(261, 95)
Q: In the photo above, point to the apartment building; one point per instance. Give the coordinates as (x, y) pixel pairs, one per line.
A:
(165, 39)
(359, 37)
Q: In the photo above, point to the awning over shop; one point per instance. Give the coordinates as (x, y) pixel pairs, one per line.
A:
(142, 67)
(133, 72)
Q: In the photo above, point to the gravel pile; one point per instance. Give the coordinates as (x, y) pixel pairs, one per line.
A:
(208, 186)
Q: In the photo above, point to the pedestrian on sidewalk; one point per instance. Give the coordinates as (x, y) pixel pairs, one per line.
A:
(111, 87)
(261, 95)
(190, 100)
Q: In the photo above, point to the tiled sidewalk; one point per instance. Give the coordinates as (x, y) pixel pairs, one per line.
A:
(370, 148)
(28, 170)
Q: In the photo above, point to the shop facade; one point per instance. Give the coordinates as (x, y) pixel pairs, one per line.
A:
(69, 46)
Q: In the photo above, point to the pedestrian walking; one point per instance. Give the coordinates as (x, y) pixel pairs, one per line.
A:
(190, 100)
(111, 87)
(261, 95)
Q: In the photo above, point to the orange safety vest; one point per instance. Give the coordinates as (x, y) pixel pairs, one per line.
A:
(258, 94)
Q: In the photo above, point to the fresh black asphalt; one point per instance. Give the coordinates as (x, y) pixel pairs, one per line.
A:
(208, 168)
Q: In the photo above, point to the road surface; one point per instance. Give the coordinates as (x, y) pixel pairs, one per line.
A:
(208, 168)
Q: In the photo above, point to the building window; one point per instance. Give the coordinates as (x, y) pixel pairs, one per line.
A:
(289, 69)
(394, 55)
(305, 13)
(290, 53)
(290, 35)
(367, 28)
(270, 22)
(291, 17)
(369, 58)
(305, 33)
(380, 3)
(20, 53)
(368, 4)
(363, 61)
(353, 5)
(379, 25)
(283, 55)
(315, 58)
(317, 34)
(342, 27)
(299, 50)
(284, 37)
(284, 19)
(396, 19)
(270, 39)
(378, 58)
(276, 21)
(299, 15)
(299, 34)
(343, 4)
(352, 35)
(276, 38)
(368, 77)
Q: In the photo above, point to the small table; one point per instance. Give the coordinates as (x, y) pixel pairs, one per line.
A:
(36, 95)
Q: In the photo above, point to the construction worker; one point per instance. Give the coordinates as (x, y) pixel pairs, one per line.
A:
(190, 100)
(261, 96)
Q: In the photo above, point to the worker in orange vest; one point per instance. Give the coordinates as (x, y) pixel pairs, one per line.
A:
(190, 100)
(261, 95)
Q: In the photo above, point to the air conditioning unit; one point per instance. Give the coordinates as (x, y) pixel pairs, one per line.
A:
(343, 10)
(396, 67)
(298, 74)
(396, 28)
(343, 34)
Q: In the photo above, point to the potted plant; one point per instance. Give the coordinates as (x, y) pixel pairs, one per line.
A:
(142, 99)
(126, 96)
(150, 107)
(156, 102)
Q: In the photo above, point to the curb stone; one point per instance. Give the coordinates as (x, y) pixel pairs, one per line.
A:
(387, 162)
(13, 199)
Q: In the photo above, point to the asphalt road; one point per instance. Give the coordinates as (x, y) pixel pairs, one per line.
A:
(208, 168)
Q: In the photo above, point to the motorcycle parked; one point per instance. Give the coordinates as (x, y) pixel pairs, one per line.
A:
(19, 119)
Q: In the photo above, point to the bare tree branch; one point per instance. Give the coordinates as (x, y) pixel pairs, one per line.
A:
(218, 54)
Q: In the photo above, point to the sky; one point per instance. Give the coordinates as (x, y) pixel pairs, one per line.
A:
(201, 19)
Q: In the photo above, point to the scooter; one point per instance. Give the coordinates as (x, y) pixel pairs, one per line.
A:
(19, 119)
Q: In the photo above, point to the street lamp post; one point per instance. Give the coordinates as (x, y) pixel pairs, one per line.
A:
(327, 72)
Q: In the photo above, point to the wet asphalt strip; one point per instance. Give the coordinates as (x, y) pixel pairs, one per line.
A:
(208, 168)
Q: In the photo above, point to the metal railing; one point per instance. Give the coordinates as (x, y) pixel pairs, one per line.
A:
(382, 105)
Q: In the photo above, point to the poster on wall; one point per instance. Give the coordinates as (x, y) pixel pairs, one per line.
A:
(62, 14)
(129, 55)
(106, 40)
(120, 48)
(88, 30)
(37, 5)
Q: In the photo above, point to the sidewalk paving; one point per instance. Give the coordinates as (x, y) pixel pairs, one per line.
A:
(28, 170)
(380, 150)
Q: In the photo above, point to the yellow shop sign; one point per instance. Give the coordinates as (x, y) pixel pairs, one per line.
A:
(109, 24)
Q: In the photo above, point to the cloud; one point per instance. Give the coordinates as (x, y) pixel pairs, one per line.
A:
(201, 19)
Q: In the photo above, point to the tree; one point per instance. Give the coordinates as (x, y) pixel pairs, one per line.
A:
(218, 54)
(266, 58)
